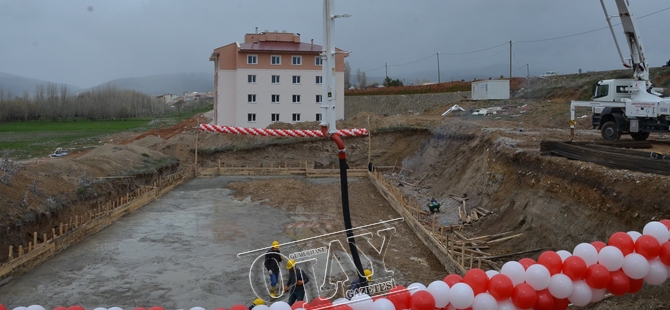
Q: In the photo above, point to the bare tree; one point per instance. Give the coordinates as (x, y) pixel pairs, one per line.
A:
(361, 78)
(347, 75)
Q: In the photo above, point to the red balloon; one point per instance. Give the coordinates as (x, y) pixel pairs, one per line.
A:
(666, 223)
(399, 296)
(664, 253)
(422, 300)
(477, 279)
(552, 261)
(545, 301)
(79, 308)
(527, 262)
(574, 267)
(598, 245)
(619, 284)
(2, 307)
(342, 307)
(597, 276)
(57, 308)
(501, 287)
(452, 279)
(623, 241)
(524, 296)
(319, 303)
(235, 307)
(635, 285)
(561, 304)
(298, 304)
(647, 246)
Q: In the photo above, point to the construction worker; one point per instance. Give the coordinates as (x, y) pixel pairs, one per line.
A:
(356, 284)
(257, 302)
(296, 281)
(272, 260)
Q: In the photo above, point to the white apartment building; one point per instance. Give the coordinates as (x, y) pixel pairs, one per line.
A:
(271, 77)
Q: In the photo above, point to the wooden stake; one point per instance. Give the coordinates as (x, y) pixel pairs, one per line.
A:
(30, 247)
(197, 135)
(53, 233)
(35, 238)
(60, 229)
(11, 252)
(20, 251)
(45, 237)
(369, 142)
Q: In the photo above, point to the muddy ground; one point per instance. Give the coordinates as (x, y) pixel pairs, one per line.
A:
(494, 160)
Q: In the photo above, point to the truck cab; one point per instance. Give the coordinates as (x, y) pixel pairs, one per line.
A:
(615, 90)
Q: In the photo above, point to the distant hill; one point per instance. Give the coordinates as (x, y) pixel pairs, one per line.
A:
(16, 85)
(176, 83)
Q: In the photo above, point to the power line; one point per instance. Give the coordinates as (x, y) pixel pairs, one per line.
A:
(504, 44)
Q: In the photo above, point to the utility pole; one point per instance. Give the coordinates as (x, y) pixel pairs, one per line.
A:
(438, 67)
(386, 65)
(510, 59)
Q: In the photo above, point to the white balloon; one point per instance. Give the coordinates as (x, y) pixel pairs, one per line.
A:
(194, 308)
(119, 308)
(491, 273)
(581, 294)
(279, 305)
(515, 272)
(658, 272)
(98, 308)
(610, 257)
(560, 286)
(597, 294)
(361, 302)
(634, 235)
(382, 304)
(506, 305)
(587, 252)
(35, 307)
(461, 295)
(340, 301)
(657, 230)
(484, 301)
(440, 291)
(635, 266)
(537, 276)
(262, 307)
(20, 308)
(415, 287)
(563, 254)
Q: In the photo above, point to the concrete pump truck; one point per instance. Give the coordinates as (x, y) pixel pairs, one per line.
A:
(626, 106)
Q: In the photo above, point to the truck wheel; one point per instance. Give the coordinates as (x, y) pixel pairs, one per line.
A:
(610, 131)
(639, 136)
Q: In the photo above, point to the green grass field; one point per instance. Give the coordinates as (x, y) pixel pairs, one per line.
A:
(41, 138)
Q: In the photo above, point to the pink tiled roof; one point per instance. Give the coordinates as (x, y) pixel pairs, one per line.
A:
(265, 46)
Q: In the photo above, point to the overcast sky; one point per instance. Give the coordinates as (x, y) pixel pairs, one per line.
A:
(88, 42)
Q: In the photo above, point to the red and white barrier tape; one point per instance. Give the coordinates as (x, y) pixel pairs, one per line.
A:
(287, 133)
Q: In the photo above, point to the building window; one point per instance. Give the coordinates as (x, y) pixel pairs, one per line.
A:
(275, 79)
(296, 79)
(275, 98)
(251, 98)
(275, 117)
(296, 98)
(319, 79)
(275, 60)
(251, 117)
(318, 61)
(296, 117)
(319, 99)
(318, 117)
(252, 59)
(251, 78)
(296, 60)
